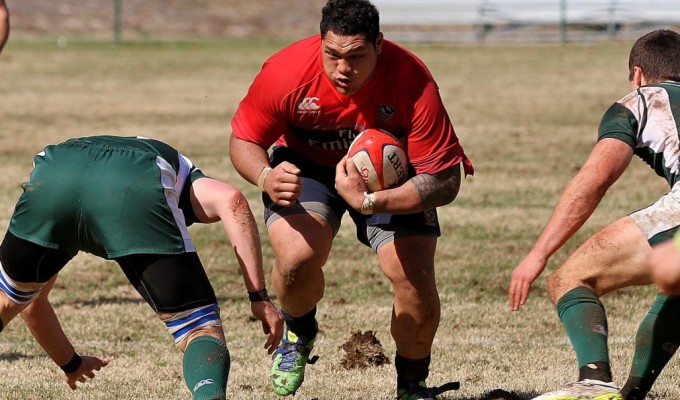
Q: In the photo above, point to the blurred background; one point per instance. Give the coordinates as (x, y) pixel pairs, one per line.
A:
(405, 20)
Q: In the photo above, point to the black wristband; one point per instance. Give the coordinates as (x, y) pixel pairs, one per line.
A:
(73, 365)
(260, 295)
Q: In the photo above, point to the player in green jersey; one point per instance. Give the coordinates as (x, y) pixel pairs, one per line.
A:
(130, 199)
(645, 123)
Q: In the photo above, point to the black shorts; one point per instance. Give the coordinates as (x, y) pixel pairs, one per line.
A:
(169, 283)
(319, 196)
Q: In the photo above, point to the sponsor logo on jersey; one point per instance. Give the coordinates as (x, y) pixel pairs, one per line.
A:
(308, 105)
(385, 111)
(333, 140)
(203, 383)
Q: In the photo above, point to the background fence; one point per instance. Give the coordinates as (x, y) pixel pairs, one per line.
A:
(406, 20)
(550, 20)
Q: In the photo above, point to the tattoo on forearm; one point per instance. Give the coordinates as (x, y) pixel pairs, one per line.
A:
(437, 189)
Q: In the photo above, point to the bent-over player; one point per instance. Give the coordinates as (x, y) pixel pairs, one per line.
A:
(130, 199)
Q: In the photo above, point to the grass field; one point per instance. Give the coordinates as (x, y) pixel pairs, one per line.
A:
(527, 115)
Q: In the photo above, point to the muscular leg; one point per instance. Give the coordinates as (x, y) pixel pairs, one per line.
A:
(301, 243)
(206, 362)
(613, 258)
(178, 289)
(408, 262)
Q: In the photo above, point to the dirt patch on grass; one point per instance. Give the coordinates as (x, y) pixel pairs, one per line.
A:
(363, 350)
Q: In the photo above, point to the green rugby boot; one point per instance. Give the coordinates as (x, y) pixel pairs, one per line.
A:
(290, 360)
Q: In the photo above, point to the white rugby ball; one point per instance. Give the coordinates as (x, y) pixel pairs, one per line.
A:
(380, 159)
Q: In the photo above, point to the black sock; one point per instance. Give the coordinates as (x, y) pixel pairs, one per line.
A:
(598, 370)
(636, 388)
(409, 371)
(304, 325)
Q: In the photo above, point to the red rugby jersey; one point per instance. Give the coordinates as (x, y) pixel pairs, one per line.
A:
(293, 103)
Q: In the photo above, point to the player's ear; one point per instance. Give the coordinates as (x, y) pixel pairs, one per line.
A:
(638, 78)
(379, 43)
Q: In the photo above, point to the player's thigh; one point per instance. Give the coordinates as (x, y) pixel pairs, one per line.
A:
(301, 239)
(613, 258)
(24, 261)
(408, 261)
(169, 283)
(303, 233)
(25, 268)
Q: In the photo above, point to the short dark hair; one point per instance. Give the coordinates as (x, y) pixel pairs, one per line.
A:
(658, 55)
(351, 17)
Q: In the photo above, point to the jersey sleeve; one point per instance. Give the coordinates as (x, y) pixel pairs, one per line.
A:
(618, 122)
(432, 142)
(259, 117)
(192, 174)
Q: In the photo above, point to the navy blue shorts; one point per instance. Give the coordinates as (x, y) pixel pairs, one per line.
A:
(318, 196)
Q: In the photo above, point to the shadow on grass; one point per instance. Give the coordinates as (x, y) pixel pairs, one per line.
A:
(14, 356)
(101, 300)
(496, 394)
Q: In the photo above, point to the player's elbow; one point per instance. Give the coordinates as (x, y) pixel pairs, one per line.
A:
(235, 200)
(446, 187)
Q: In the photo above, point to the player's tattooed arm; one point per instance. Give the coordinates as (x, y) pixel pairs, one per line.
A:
(438, 189)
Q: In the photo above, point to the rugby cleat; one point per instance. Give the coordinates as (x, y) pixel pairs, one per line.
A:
(420, 391)
(290, 360)
(587, 389)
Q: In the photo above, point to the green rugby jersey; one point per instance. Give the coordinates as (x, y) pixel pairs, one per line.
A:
(647, 119)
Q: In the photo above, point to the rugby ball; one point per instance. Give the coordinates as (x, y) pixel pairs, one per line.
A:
(380, 159)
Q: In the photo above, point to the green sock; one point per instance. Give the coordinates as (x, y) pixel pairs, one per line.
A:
(206, 368)
(656, 341)
(585, 322)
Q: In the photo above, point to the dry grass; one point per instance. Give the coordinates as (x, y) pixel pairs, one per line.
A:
(526, 114)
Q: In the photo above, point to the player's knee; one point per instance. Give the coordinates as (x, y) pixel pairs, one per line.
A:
(555, 283)
(294, 270)
(20, 293)
(563, 280)
(418, 280)
(15, 296)
(200, 321)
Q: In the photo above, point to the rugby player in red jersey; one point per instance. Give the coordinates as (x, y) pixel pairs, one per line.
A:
(309, 101)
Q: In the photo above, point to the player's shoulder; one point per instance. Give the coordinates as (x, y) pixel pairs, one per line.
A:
(664, 92)
(304, 53)
(294, 64)
(399, 61)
